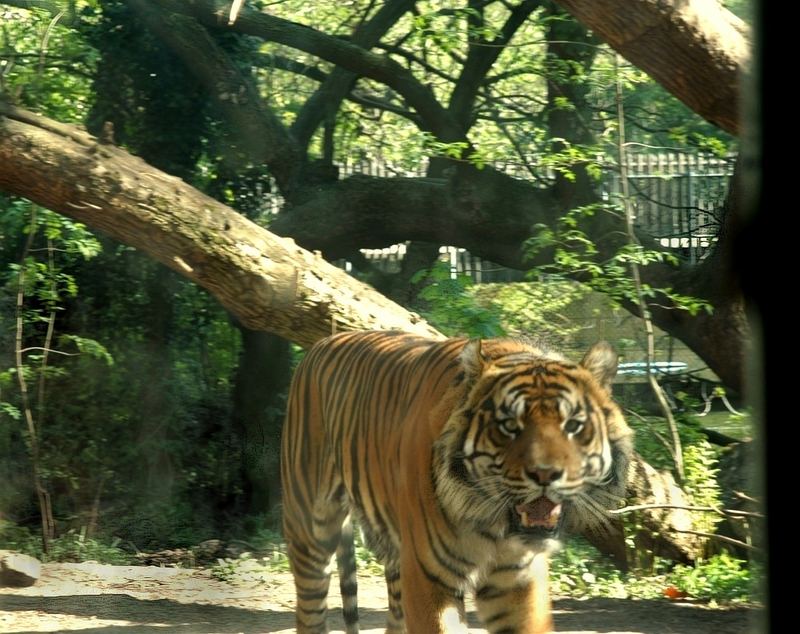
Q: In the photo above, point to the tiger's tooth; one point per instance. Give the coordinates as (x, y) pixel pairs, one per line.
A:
(525, 518)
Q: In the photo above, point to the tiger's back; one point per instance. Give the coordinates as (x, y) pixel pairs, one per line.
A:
(380, 426)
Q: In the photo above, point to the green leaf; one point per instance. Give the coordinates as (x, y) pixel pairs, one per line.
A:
(90, 347)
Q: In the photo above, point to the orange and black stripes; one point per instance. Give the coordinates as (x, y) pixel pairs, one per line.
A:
(429, 447)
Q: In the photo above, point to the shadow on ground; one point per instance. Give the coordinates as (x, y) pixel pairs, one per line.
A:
(131, 615)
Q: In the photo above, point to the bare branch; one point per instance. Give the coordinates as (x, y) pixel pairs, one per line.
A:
(722, 538)
(480, 60)
(351, 57)
(704, 509)
(362, 98)
(329, 96)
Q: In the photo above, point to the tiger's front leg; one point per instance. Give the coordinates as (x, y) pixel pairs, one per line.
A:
(515, 597)
(430, 607)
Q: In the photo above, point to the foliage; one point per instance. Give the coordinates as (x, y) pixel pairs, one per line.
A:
(252, 567)
(115, 443)
(458, 306)
(450, 307)
(20, 539)
(365, 560)
(649, 443)
(45, 67)
(575, 255)
(701, 466)
(269, 555)
(76, 547)
(148, 448)
(156, 108)
(532, 308)
(700, 483)
(720, 578)
(577, 571)
(41, 285)
(249, 569)
(137, 427)
(72, 546)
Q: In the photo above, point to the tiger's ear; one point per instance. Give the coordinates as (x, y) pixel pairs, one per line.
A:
(601, 360)
(472, 361)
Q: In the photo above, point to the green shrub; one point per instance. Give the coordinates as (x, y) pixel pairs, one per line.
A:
(579, 571)
(75, 547)
(70, 547)
(720, 578)
(20, 539)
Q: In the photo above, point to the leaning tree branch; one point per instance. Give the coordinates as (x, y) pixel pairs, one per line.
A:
(707, 45)
(266, 281)
(288, 291)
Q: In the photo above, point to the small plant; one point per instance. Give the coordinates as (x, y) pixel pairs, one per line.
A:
(20, 539)
(578, 571)
(365, 560)
(720, 578)
(249, 569)
(72, 546)
(536, 308)
(76, 547)
(268, 555)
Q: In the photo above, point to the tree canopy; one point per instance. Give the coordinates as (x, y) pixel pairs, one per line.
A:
(280, 95)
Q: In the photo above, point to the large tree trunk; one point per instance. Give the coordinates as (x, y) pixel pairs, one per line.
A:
(266, 281)
(261, 380)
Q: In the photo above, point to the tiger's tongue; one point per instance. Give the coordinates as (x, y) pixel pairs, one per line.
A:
(541, 512)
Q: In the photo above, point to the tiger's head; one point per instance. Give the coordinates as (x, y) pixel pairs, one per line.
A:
(536, 441)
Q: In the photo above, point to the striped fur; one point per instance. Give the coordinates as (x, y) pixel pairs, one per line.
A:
(454, 458)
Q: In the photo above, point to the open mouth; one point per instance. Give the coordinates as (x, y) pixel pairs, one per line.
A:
(540, 517)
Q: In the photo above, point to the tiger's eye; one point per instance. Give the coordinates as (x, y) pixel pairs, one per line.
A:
(508, 427)
(573, 426)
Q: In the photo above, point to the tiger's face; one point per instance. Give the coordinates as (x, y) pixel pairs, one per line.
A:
(538, 439)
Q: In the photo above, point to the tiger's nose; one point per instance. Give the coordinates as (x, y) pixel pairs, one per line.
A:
(543, 475)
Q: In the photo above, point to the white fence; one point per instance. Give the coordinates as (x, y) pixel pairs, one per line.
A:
(678, 198)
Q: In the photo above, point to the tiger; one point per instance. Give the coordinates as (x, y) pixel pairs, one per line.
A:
(461, 460)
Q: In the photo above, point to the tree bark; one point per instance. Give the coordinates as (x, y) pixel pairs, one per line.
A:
(696, 49)
(268, 282)
(261, 380)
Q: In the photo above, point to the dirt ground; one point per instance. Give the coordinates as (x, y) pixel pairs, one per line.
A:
(91, 598)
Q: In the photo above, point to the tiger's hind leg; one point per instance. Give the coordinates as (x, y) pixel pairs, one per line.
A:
(311, 542)
(395, 623)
